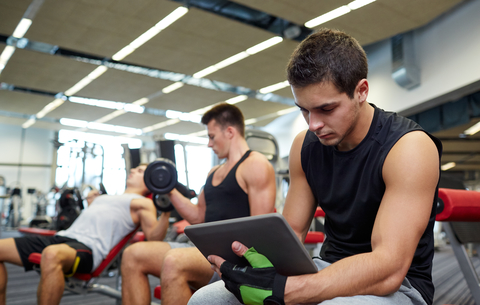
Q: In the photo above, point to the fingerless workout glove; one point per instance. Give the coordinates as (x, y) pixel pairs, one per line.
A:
(259, 284)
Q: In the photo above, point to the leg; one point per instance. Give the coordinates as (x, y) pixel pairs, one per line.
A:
(138, 261)
(182, 268)
(9, 254)
(56, 261)
(213, 294)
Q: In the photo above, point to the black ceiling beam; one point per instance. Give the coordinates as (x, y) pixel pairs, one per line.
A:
(252, 17)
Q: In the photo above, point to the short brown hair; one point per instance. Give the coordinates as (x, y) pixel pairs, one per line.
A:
(328, 56)
(226, 115)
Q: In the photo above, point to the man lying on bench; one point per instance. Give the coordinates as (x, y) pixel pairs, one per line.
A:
(85, 244)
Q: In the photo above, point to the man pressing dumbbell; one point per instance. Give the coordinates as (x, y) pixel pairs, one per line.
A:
(243, 185)
(91, 236)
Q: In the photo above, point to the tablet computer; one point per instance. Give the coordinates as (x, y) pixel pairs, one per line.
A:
(269, 234)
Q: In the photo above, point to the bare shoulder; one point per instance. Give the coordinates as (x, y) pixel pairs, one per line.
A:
(298, 141)
(416, 142)
(141, 203)
(255, 160)
(415, 152)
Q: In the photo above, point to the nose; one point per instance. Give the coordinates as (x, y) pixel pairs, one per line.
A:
(210, 143)
(315, 123)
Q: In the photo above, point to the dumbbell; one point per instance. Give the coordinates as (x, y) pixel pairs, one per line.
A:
(161, 178)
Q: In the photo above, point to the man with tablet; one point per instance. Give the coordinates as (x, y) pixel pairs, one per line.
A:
(375, 175)
(241, 186)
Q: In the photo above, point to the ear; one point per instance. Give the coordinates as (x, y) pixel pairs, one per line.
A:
(361, 91)
(230, 132)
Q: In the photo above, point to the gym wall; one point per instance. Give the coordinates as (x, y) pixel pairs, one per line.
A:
(37, 150)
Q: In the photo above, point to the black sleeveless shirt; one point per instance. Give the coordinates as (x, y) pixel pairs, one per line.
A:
(348, 186)
(226, 200)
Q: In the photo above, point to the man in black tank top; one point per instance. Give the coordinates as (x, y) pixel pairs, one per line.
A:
(243, 185)
(375, 175)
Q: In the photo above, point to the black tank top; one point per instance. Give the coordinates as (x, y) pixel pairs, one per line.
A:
(226, 200)
(348, 186)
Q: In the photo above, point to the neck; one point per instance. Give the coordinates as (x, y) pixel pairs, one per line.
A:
(237, 149)
(133, 190)
(361, 128)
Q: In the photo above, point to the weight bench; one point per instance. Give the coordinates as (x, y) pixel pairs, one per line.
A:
(83, 283)
(459, 210)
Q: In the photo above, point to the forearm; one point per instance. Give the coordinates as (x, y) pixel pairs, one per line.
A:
(363, 274)
(189, 211)
(159, 230)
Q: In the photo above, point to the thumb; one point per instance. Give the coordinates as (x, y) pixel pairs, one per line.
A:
(239, 248)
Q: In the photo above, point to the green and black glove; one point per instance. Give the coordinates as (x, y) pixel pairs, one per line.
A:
(259, 284)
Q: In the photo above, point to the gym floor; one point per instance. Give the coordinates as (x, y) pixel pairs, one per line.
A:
(450, 284)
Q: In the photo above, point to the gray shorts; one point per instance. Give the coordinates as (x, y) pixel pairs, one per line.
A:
(175, 244)
(216, 293)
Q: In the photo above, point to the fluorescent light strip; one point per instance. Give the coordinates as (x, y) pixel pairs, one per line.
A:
(110, 116)
(237, 57)
(172, 87)
(236, 99)
(128, 107)
(231, 60)
(340, 11)
(472, 130)
(185, 138)
(65, 135)
(448, 166)
(86, 80)
(5, 57)
(100, 126)
(264, 45)
(28, 123)
(205, 72)
(274, 87)
(150, 33)
(22, 28)
(141, 101)
(160, 125)
(183, 116)
(49, 107)
(359, 3)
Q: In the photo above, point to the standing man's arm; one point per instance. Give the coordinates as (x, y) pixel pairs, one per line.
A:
(258, 175)
(410, 172)
(144, 213)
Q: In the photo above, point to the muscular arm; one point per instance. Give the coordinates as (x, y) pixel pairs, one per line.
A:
(144, 213)
(410, 173)
(300, 203)
(190, 212)
(259, 177)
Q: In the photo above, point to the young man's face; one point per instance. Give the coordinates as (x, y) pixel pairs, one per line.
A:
(135, 177)
(331, 115)
(217, 139)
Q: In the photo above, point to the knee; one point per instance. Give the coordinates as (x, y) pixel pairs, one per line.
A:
(50, 258)
(130, 257)
(173, 264)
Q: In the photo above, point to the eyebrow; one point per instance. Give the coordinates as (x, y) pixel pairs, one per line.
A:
(328, 104)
